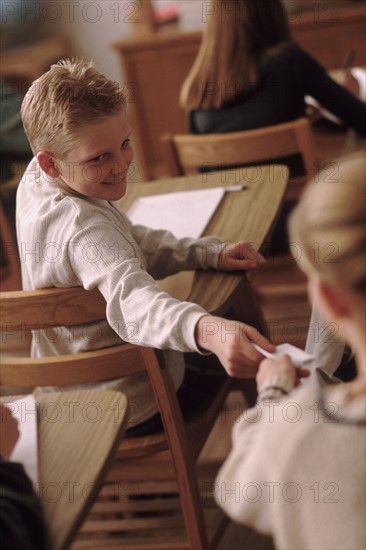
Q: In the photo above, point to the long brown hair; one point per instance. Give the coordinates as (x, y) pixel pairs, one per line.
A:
(236, 30)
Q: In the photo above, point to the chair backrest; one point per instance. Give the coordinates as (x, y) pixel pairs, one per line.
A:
(191, 153)
(65, 446)
(22, 311)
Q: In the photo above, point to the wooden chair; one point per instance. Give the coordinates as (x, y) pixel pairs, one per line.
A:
(191, 153)
(141, 463)
(280, 282)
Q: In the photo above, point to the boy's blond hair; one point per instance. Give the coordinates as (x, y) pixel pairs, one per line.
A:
(70, 94)
(329, 225)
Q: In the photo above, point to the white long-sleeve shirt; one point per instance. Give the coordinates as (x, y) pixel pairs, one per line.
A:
(67, 241)
(296, 470)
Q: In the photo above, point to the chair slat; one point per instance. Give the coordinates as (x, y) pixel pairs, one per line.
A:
(51, 306)
(187, 153)
(65, 370)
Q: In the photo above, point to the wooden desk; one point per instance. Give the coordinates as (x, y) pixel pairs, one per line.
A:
(242, 215)
(78, 434)
(154, 66)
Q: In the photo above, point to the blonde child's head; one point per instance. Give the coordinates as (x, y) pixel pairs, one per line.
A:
(329, 227)
(72, 93)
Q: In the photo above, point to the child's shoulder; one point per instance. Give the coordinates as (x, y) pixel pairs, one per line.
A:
(90, 211)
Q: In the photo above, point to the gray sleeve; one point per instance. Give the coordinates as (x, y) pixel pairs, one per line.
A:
(132, 295)
(165, 254)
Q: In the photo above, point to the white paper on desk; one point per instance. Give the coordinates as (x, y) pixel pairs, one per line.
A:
(184, 213)
(26, 448)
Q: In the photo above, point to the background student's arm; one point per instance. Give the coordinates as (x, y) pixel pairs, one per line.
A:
(334, 97)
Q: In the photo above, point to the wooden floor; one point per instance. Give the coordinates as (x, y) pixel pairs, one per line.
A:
(238, 537)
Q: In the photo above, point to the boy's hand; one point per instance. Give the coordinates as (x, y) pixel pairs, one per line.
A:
(239, 257)
(9, 432)
(232, 341)
(282, 365)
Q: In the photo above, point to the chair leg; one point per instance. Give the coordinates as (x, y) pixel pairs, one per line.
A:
(181, 457)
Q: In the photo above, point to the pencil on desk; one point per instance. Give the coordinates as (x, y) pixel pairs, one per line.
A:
(230, 188)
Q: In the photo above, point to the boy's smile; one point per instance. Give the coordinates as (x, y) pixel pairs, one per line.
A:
(97, 166)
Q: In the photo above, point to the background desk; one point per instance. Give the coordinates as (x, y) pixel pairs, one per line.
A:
(155, 65)
(78, 434)
(242, 215)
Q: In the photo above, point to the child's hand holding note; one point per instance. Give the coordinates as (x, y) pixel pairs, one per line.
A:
(287, 360)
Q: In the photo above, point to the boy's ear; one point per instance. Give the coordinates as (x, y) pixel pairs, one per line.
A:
(333, 301)
(47, 164)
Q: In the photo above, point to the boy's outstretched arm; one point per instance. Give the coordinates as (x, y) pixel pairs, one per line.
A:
(232, 341)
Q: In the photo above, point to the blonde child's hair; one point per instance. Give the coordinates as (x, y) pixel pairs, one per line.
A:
(329, 225)
(70, 94)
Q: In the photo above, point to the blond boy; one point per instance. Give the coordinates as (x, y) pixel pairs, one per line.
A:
(71, 234)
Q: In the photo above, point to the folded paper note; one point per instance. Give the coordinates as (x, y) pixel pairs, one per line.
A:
(297, 355)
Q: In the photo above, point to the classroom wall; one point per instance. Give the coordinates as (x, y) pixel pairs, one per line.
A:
(92, 26)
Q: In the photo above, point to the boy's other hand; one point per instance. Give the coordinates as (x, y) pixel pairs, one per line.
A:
(232, 341)
(239, 257)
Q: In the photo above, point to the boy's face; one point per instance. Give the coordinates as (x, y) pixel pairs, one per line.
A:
(97, 166)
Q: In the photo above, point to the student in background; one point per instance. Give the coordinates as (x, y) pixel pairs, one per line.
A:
(249, 74)
(297, 466)
(22, 525)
